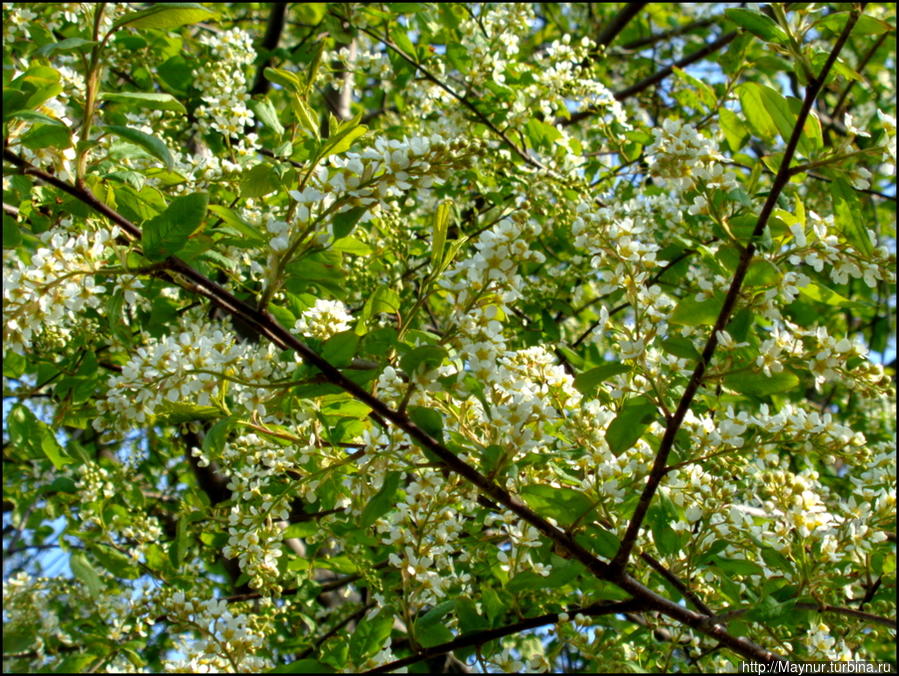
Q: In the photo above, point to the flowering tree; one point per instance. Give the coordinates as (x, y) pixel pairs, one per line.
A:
(448, 336)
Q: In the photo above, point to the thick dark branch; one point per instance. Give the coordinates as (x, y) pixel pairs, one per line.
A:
(480, 637)
(618, 22)
(659, 468)
(269, 42)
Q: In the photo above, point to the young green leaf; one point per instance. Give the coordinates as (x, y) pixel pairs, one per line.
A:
(151, 144)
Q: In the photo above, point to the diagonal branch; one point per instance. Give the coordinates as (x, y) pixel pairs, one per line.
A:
(822, 608)
(477, 638)
(267, 326)
(618, 22)
(659, 468)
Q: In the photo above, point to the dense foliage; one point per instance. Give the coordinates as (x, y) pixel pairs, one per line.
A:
(500, 336)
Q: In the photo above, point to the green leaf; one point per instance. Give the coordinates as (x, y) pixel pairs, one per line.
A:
(703, 91)
(630, 423)
(597, 539)
(562, 573)
(865, 25)
(493, 605)
(35, 436)
(266, 112)
(259, 181)
(758, 24)
(680, 346)
(754, 109)
(340, 348)
(117, 563)
(428, 629)
(383, 299)
(690, 312)
(772, 613)
(304, 666)
(822, 294)
(659, 518)
(849, 215)
(428, 356)
(153, 100)
(383, 501)
(439, 229)
(283, 78)
(167, 233)
(565, 505)
(404, 43)
(760, 385)
(776, 107)
(342, 140)
(238, 225)
(587, 382)
(469, 618)
(18, 640)
(178, 547)
(47, 136)
(738, 566)
(67, 45)
(166, 15)
(85, 572)
(370, 635)
(215, 439)
(428, 420)
(343, 223)
(34, 116)
(151, 144)
(733, 129)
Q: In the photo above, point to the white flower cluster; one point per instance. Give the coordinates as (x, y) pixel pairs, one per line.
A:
(822, 355)
(563, 78)
(193, 366)
(819, 246)
(515, 557)
(223, 82)
(529, 393)
(681, 158)
(230, 642)
(381, 173)
(492, 39)
(324, 319)
(425, 527)
(44, 298)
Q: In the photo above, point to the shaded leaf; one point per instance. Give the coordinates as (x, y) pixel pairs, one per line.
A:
(151, 144)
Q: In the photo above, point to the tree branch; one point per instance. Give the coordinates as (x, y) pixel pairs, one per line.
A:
(659, 468)
(267, 326)
(270, 41)
(459, 97)
(618, 22)
(822, 608)
(666, 35)
(480, 637)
